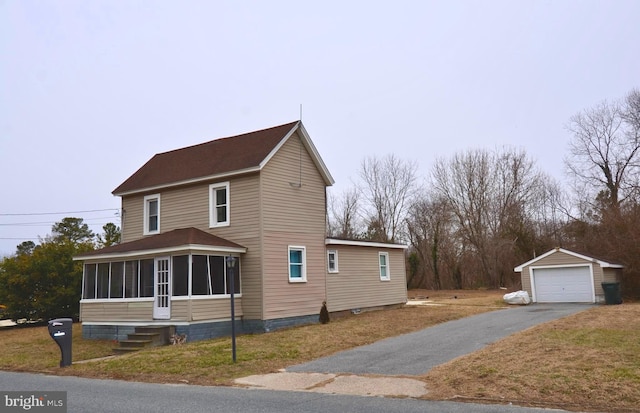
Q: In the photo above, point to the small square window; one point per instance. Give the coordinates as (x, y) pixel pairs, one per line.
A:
(332, 261)
(383, 261)
(297, 264)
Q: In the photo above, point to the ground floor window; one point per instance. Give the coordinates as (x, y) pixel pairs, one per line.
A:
(297, 264)
(332, 261)
(210, 276)
(120, 279)
(383, 261)
(180, 275)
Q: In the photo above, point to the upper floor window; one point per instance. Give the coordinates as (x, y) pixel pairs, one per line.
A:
(219, 204)
(383, 261)
(297, 264)
(332, 261)
(151, 214)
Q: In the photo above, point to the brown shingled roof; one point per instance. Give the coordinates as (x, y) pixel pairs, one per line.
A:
(170, 239)
(212, 158)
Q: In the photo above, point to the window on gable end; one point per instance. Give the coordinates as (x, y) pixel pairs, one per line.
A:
(151, 214)
(219, 207)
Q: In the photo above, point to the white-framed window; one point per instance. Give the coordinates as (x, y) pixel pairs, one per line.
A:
(332, 261)
(297, 264)
(219, 207)
(383, 261)
(151, 214)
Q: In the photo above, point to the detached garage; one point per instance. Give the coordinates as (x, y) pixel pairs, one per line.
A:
(562, 276)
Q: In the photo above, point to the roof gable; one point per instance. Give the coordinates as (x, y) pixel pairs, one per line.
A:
(603, 264)
(247, 152)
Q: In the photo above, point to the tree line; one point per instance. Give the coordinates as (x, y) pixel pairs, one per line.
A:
(41, 281)
(481, 212)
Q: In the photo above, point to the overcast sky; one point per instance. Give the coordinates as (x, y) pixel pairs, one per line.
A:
(90, 90)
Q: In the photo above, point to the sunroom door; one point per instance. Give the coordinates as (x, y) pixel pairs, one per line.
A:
(162, 283)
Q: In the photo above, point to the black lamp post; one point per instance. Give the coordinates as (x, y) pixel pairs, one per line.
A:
(231, 263)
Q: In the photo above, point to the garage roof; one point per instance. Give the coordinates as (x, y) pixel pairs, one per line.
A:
(603, 264)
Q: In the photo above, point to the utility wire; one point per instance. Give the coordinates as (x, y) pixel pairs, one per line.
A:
(59, 213)
(30, 224)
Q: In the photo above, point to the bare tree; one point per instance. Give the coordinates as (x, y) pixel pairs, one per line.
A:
(344, 214)
(632, 113)
(429, 230)
(389, 186)
(493, 196)
(605, 151)
(464, 182)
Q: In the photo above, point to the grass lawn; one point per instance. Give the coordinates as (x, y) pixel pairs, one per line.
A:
(588, 362)
(209, 362)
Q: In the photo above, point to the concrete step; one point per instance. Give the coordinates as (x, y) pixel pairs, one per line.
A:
(154, 338)
(132, 343)
(145, 336)
(164, 332)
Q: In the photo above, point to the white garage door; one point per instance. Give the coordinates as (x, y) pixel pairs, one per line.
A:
(563, 285)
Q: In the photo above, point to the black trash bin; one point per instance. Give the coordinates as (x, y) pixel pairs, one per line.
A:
(612, 293)
(60, 331)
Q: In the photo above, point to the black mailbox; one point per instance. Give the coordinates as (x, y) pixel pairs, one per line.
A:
(60, 331)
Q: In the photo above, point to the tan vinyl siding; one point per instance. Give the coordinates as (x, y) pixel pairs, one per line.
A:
(179, 310)
(201, 309)
(559, 258)
(358, 284)
(293, 215)
(290, 299)
(525, 278)
(188, 206)
(244, 229)
(117, 311)
(132, 217)
(184, 207)
(214, 309)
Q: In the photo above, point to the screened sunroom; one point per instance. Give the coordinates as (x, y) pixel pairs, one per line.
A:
(179, 277)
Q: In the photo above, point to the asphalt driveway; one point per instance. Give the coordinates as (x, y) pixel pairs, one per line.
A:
(416, 353)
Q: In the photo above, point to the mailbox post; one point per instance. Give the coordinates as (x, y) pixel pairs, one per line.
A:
(60, 332)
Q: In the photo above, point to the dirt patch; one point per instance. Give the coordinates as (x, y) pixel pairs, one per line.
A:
(481, 298)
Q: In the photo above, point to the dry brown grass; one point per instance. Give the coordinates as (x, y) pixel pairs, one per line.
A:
(588, 362)
(32, 349)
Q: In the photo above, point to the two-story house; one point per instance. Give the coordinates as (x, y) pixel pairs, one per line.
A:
(259, 197)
